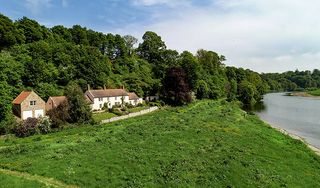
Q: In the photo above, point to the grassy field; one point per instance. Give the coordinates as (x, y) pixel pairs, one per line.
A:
(9, 181)
(207, 144)
(314, 92)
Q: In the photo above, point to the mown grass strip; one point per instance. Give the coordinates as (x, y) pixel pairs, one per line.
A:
(50, 182)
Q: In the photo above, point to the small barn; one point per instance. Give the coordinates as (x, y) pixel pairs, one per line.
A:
(28, 105)
(54, 102)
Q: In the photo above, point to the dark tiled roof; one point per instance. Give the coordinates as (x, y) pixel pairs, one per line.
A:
(21, 97)
(133, 96)
(108, 93)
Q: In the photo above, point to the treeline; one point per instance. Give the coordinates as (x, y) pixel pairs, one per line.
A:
(47, 60)
(293, 80)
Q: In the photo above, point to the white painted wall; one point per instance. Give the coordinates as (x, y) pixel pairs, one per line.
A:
(39, 113)
(98, 104)
(136, 102)
(26, 114)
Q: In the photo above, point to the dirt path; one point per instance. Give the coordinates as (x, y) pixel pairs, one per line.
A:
(45, 180)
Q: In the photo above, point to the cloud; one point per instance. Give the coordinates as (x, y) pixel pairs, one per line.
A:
(36, 6)
(252, 34)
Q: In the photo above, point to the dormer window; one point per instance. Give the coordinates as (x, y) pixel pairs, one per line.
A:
(32, 103)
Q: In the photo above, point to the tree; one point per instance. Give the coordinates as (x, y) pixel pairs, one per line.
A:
(191, 66)
(151, 47)
(79, 109)
(79, 35)
(60, 115)
(9, 35)
(202, 90)
(246, 93)
(30, 29)
(130, 41)
(62, 33)
(6, 117)
(176, 87)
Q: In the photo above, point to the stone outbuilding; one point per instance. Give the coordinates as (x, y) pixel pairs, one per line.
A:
(54, 102)
(29, 105)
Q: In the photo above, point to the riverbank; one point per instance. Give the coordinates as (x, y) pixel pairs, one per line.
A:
(303, 94)
(205, 144)
(297, 137)
(296, 117)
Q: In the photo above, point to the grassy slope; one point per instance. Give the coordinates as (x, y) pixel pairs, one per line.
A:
(206, 144)
(314, 92)
(18, 182)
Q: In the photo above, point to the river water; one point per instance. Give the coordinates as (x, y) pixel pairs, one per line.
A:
(296, 115)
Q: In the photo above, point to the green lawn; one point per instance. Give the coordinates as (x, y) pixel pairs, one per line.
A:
(314, 92)
(137, 109)
(207, 144)
(102, 116)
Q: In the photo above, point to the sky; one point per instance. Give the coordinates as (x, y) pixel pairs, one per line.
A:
(262, 35)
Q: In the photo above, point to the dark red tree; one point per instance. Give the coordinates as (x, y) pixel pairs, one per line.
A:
(176, 87)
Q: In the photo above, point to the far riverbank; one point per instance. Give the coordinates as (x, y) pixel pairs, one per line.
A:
(302, 94)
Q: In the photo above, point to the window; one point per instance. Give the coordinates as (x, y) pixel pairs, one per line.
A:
(32, 103)
(100, 99)
(100, 105)
(115, 98)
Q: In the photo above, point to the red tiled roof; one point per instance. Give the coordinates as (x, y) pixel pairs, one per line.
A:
(108, 93)
(57, 100)
(21, 97)
(133, 96)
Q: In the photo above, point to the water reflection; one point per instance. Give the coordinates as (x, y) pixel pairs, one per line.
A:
(258, 107)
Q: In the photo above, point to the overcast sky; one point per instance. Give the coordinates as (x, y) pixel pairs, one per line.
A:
(263, 35)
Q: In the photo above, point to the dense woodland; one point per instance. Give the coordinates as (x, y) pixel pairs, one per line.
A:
(48, 60)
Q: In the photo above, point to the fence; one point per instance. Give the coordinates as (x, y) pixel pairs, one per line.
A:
(151, 109)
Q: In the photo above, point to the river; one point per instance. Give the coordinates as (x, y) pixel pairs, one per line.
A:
(296, 115)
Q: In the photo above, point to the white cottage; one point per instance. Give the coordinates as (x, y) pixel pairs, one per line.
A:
(134, 99)
(110, 97)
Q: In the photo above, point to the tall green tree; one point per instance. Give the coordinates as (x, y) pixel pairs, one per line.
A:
(151, 47)
(78, 108)
(9, 34)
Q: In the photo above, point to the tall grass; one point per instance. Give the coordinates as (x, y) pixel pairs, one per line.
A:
(206, 144)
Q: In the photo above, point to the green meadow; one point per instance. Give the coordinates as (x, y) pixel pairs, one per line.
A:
(314, 92)
(205, 144)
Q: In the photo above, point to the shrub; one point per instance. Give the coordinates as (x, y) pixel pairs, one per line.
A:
(116, 111)
(59, 115)
(26, 128)
(105, 106)
(44, 125)
(128, 105)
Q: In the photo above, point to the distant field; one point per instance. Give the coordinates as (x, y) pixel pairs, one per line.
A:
(314, 92)
(207, 144)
